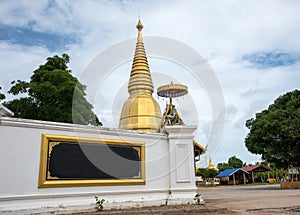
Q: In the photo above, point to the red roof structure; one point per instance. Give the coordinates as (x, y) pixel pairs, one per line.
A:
(255, 168)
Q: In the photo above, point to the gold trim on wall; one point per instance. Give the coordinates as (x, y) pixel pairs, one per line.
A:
(49, 141)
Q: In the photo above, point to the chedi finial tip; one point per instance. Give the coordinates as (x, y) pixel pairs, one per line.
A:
(139, 25)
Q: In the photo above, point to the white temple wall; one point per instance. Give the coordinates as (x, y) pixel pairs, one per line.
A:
(20, 145)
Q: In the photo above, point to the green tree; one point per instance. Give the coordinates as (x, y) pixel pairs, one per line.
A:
(206, 173)
(223, 166)
(211, 173)
(275, 132)
(53, 94)
(2, 96)
(235, 162)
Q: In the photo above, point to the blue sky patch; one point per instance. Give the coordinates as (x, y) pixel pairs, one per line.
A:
(266, 60)
(28, 37)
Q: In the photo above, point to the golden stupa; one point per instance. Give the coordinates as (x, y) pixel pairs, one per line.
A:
(211, 166)
(140, 111)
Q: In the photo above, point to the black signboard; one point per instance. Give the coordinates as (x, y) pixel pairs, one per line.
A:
(93, 161)
(78, 161)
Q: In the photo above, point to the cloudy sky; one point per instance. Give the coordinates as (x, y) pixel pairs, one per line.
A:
(252, 47)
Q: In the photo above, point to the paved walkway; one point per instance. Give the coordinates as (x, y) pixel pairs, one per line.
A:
(262, 199)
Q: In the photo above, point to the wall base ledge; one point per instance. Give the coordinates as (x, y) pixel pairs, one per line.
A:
(86, 201)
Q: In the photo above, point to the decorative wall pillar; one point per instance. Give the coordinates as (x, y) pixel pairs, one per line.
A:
(181, 171)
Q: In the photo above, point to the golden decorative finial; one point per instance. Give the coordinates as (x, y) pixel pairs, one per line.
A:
(171, 115)
(140, 111)
(139, 26)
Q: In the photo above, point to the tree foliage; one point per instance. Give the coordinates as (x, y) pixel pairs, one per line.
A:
(235, 162)
(2, 96)
(223, 166)
(206, 173)
(275, 132)
(53, 94)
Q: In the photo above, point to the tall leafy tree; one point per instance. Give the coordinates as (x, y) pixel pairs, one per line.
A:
(206, 173)
(223, 166)
(275, 132)
(235, 162)
(53, 94)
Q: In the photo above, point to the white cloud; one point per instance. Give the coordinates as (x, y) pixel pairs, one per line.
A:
(18, 63)
(222, 32)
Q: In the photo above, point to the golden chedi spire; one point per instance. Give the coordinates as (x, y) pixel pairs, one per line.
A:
(140, 78)
(140, 111)
(211, 165)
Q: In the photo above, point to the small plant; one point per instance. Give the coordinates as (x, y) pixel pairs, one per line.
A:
(198, 199)
(99, 203)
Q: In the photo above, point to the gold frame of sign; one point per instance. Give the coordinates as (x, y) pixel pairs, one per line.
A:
(50, 143)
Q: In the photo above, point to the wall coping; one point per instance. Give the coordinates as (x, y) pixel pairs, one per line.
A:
(29, 123)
